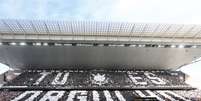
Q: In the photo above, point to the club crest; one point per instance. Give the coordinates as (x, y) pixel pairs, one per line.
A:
(99, 79)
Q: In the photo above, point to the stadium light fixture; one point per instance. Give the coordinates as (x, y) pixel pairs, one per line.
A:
(38, 44)
(22, 44)
(132, 45)
(45, 44)
(58, 44)
(66, 44)
(173, 46)
(13, 43)
(141, 45)
(181, 46)
(194, 46)
(160, 46)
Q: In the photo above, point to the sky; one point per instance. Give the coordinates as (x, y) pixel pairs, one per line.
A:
(145, 11)
(137, 11)
(3, 68)
(194, 71)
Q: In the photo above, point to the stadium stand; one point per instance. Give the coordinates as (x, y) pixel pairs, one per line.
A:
(97, 61)
(99, 85)
(105, 95)
(69, 79)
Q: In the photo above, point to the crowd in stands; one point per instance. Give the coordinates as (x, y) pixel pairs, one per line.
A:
(98, 79)
(101, 95)
(8, 95)
(134, 83)
(194, 95)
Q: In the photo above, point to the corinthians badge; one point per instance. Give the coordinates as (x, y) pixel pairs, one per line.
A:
(99, 79)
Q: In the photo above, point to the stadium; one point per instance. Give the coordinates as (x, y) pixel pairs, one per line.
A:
(97, 61)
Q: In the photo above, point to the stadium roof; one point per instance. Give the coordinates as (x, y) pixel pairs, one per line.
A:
(101, 31)
(26, 44)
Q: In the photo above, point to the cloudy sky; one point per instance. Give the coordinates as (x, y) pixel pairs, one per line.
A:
(145, 11)
(152, 11)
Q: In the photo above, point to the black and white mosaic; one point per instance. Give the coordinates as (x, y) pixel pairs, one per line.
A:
(69, 79)
(93, 85)
(104, 95)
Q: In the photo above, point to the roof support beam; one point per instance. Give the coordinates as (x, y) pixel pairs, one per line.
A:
(20, 26)
(131, 32)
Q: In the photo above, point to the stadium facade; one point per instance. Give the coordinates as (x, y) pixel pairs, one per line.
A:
(89, 60)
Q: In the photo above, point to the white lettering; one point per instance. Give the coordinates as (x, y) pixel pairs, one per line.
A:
(32, 95)
(95, 96)
(119, 96)
(107, 95)
(150, 94)
(60, 82)
(44, 74)
(169, 94)
(52, 96)
(154, 79)
(136, 81)
(82, 95)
